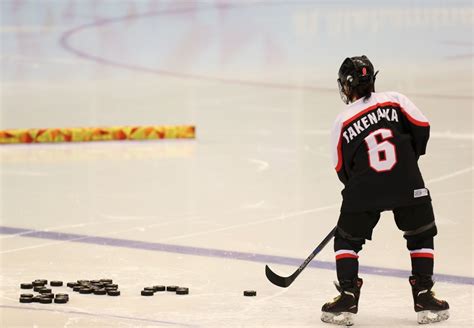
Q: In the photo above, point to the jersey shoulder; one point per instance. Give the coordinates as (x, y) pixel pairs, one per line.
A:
(390, 96)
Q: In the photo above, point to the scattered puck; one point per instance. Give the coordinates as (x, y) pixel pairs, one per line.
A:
(62, 295)
(114, 292)
(100, 292)
(27, 295)
(95, 282)
(182, 291)
(35, 299)
(147, 292)
(77, 288)
(45, 300)
(85, 291)
(56, 283)
(106, 281)
(38, 288)
(83, 282)
(72, 284)
(38, 284)
(47, 295)
(250, 293)
(171, 288)
(26, 299)
(159, 288)
(149, 288)
(61, 300)
(111, 286)
(45, 290)
(26, 286)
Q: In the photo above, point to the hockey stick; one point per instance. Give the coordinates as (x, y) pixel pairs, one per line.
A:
(286, 281)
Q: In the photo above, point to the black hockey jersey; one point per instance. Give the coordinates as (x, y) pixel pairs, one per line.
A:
(376, 144)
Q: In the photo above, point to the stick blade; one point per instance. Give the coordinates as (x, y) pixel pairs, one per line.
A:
(276, 279)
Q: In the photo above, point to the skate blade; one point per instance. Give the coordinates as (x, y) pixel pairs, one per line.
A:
(432, 316)
(338, 318)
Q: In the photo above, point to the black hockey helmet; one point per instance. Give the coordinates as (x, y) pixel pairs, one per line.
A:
(355, 73)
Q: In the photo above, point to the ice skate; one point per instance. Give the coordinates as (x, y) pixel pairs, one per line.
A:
(342, 310)
(428, 308)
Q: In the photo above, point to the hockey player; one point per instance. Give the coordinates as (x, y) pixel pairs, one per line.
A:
(376, 143)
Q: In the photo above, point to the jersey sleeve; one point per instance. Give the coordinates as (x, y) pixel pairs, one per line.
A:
(336, 149)
(418, 125)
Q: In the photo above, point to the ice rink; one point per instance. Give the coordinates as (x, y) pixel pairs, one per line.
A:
(256, 186)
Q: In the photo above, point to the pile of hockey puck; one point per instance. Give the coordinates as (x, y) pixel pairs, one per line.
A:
(96, 287)
(44, 294)
(150, 291)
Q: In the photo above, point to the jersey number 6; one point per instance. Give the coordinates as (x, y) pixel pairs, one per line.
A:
(382, 155)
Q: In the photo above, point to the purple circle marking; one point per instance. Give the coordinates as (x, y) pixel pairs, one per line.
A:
(64, 42)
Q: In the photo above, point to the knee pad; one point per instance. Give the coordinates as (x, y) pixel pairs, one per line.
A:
(343, 240)
(421, 237)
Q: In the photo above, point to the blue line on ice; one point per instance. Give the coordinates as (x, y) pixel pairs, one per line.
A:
(216, 253)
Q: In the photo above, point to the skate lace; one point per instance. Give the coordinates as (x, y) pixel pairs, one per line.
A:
(432, 294)
(437, 300)
(335, 299)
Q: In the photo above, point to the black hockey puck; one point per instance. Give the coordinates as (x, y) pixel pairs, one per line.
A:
(171, 288)
(38, 288)
(71, 284)
(114, 292)
(149, 288)
(61, 300)
(106, 281)
(62, 295)
(35, 299)
(40, 282)
(45, 290)
(37, 284)
(45, 300)
(182, 291)
(26, 299)
(47, 295)
(26, 295)
(83, 282)
(147, 292)
(100, 292)
(77, 288)
(26, 286)
(250, 293)
(159, 288)
(111, 286)
(56, 283)
(85, 290)
(95, 282)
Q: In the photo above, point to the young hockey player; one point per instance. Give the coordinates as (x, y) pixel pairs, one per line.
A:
(376, 144)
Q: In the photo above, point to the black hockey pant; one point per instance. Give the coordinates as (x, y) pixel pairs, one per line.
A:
(354, 229)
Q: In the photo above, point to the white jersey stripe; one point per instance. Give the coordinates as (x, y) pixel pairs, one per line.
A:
(345, 251)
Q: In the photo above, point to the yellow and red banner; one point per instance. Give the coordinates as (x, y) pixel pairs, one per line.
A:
(18, 136)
